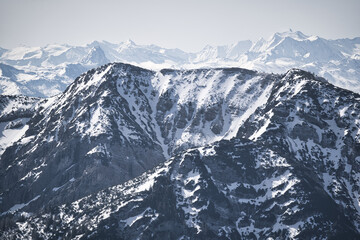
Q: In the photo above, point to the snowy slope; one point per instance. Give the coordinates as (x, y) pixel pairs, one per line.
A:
(88, 138)
(110, 118)
(320, 126)
(336, 60)
(251, 155)
(262, 195)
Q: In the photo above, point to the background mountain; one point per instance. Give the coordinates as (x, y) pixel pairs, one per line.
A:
(288, 170)
(252, 155)
(47, 71)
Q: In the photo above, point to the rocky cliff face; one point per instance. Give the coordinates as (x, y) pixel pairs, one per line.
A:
(86, 139)
(115, 122)
(264, 194)
(319, 125)
(253, 155)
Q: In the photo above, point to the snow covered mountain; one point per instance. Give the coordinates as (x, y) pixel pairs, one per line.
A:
(47, 71)
(252, 155)
(95, 57)
(336, 60)
(262, 195)
(222, 53)
(121, 118)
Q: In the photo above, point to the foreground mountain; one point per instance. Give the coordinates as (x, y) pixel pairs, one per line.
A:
(86, 139)
(48, 70)
(123, 119)
(263, 194)
(253, 156)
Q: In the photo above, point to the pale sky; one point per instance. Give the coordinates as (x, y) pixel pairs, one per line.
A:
(186, 24)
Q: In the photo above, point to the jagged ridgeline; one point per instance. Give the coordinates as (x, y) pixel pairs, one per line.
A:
(251, 155)
(48, 70)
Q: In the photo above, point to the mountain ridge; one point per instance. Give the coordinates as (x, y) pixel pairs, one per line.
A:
(48, 70)
(288, 144)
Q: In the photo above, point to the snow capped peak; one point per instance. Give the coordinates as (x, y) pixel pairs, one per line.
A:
(279, 38)
(95, 57)
(106, 46)
(94, 44)
(297, 35)
(211, 52)
(130, 42)
(127, 44)
(233, 51)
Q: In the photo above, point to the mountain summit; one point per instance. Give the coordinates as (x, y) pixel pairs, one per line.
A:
(95, 57)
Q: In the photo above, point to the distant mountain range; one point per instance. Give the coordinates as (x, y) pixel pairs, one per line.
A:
(47, 71)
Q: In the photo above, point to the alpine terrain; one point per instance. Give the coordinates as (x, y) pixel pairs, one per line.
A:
(208, 153)
(48, 70)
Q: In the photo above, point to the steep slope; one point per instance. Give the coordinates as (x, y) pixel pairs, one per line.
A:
(262, 195)
(86, 139)
(95, 57)
(196, 107)
(289, 170)
(320, 126)
(124, 119)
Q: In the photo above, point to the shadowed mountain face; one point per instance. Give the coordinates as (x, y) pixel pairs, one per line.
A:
(253, 155)
(115, 122)
(82, 141)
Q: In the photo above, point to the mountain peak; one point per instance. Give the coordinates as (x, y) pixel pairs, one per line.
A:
(130, 42)
(297, 35)
(95, 57)
(126, 45)
(296, 73)
(95, 43)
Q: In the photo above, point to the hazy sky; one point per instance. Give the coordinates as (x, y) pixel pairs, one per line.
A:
(185, 24)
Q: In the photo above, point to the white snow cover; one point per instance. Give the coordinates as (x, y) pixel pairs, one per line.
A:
(241, 93)
(46, 71)
(9, 136)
